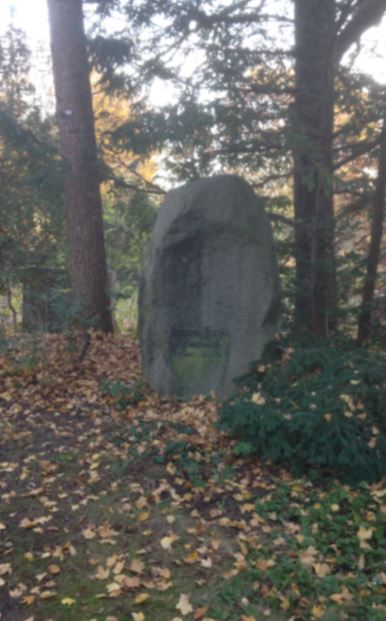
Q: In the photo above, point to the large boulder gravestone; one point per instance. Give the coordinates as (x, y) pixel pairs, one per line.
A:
(209, 293)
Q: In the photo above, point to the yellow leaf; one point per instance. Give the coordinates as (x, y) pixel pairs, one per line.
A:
(184, 605)
(193, 557)
(141, 598)
(47, 594)
(342, 597)
(114, 589)
(321, 569)
(101, 573)
(5, 568)
(164, 572)
(247, 507)
(27, 523)
(88, 533)
(138, 616)
(317, 612)
(54, 569)
(119, 567)
(171, 468)
(258, 398)
(68, 601)
(112, 560)
(365, 534)
(143, 516)
(167, 542)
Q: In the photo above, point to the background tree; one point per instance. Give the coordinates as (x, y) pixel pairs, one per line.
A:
(82, 198)
(31, 221)
(377, 220)
(324, 30)
(251, 102)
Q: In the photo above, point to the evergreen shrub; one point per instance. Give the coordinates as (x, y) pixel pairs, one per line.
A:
(322, 408)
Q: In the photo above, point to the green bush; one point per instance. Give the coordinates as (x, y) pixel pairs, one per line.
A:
(322, 407)
(123, 394)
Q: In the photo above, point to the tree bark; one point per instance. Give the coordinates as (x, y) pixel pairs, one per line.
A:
(313, 165)
(82, 199)
(378, 215)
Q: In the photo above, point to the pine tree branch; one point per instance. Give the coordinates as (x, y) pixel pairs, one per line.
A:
(367, 14)
(361, 148)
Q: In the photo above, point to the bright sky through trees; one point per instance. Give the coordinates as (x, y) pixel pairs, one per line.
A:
(32, 16)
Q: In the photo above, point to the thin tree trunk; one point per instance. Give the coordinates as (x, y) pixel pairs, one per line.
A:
(11, 307)
(82, 197)
(313, 166)
(378, 215)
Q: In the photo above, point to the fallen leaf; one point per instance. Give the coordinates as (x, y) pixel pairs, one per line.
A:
(364, 535)
(47, 594)
(200, 612)
(264, 564)
(68, 601)
(206, 562)
(308, 556)
(317, 612)
(137, 566)
(141, 598)
(167, 542)
(321, 569)
(184, 605)
(343, 597)
(5, 568)
(131, 583)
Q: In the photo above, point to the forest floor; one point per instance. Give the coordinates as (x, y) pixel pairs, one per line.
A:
(117, 505)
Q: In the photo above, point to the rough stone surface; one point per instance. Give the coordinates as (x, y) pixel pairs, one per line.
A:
(209, 294)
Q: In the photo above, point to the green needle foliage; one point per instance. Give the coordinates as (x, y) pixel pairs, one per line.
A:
(320, 408)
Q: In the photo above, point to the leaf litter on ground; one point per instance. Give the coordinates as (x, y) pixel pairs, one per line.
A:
(119, 504)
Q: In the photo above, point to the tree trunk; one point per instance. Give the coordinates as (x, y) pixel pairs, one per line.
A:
(313, 165)
(82, 197)
(378, 214)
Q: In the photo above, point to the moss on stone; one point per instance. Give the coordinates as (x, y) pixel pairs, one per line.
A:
(196, 362)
